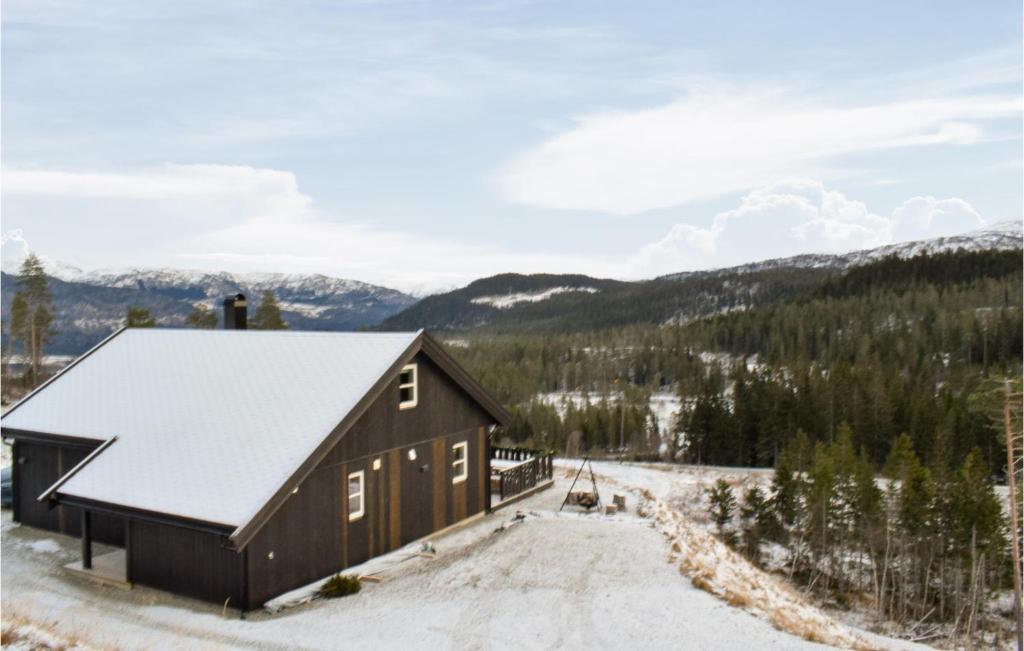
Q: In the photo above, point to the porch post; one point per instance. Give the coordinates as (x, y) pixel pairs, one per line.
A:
(487, 477)
(86, 540)
(128, 550)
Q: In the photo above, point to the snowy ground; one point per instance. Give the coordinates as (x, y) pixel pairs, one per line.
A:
(549, 580)
(664, 406)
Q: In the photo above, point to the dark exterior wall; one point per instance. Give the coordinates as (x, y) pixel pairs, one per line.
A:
(185, 561)
(39, 465)
(443, 408)
(310, 536)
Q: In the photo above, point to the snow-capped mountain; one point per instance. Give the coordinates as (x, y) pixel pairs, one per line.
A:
(1003, 236)
(90, 304)
(560, 302)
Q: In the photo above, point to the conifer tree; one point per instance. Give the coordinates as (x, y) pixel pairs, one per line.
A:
(901, 458)
(16, 326)
(139, 317)
(34, 329)
(721, 504)
(758, 522)
(268, 315)
(202, 317)
(786, 489)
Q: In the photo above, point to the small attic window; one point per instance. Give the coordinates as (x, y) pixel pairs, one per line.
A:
(407, 390)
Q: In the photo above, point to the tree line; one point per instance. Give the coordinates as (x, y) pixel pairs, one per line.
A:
(266, 316)
(903, 346)
(927, 544)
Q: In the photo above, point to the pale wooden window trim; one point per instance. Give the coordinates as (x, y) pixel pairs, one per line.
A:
(414, 385)
(361, 494)
(460, 467)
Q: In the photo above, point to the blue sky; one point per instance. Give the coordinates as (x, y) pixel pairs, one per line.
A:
(424, 144)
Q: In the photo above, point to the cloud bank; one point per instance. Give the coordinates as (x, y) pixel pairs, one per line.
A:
(720, 140)
(800, 216)
(240, 218)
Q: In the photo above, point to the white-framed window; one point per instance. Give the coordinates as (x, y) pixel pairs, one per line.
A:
(460, 463)
(356, 495)
(408, 392)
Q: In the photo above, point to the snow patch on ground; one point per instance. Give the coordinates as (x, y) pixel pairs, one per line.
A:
(508, 300)
(665, 406)
(45, 546)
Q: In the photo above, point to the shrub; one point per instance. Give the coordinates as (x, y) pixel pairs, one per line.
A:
(339, 585)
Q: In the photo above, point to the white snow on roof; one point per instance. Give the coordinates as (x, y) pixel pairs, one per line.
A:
(210, 423)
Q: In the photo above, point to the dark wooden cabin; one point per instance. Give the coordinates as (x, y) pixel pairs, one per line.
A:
(245, 485)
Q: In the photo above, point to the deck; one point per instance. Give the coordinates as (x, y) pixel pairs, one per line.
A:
(517, 473)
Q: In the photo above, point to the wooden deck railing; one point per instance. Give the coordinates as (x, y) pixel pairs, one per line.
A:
(534, 467)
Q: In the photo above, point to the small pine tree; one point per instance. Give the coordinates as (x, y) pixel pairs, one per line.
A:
(268, 315)
(901, 458)
(758, 522)
(786, 491)
(202, 317)
(722, 504)
(139, 317)
(801, 452)
(978, 516)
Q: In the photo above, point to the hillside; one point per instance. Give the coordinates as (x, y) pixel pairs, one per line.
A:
(570, 303)
(92, 304)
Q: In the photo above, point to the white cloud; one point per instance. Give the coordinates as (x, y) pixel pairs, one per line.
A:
(798, 216)
(930, 217)
(242, 218)
(168, 181)
(239, 218)
(719, 140)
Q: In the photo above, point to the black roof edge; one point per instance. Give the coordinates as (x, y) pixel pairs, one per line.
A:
(156, 517)
(47, 437)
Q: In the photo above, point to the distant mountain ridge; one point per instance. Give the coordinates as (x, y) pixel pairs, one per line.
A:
(92, 304)
(560, 303)
(1002, 236)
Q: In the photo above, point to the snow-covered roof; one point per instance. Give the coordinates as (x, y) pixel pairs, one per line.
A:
(209, 423)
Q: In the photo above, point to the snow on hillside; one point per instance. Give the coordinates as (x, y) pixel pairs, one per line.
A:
(1007, 235)
(665, 406)
(316, 285)
(508, 300)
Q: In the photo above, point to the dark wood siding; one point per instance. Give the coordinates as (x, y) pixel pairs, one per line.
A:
(185, 561)
(443, 408)
(40, 465)
(310, 535)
